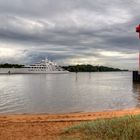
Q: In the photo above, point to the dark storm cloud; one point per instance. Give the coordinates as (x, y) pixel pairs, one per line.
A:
(73, 31)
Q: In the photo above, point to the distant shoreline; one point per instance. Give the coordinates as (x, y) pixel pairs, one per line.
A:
(73, 68)
(90, 68)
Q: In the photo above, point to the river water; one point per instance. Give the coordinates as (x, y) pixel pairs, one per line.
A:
(64, 93)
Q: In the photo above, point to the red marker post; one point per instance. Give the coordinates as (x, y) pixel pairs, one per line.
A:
(138, 31)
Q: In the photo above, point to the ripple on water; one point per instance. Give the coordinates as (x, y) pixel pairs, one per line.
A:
(11, 102)
(68, 93)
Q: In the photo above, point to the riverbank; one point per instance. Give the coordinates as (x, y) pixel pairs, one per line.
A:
(45, 126)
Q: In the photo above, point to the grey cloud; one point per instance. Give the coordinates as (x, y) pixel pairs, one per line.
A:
(65, 30)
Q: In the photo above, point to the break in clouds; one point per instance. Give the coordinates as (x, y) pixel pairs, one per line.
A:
(93, 32)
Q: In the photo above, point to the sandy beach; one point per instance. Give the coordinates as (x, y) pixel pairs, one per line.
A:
(48, 127)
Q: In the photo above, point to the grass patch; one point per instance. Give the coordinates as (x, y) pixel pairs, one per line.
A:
(123, 128)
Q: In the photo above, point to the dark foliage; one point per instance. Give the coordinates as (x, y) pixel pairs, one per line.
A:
(6, 65)
(89, 68)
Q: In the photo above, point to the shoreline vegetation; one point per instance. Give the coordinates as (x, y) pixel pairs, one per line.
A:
(6, 65)
(122, 128)
(73, 68)
(71, 126)
(90, 68)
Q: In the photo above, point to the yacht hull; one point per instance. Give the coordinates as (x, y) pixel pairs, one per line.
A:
(28, 71)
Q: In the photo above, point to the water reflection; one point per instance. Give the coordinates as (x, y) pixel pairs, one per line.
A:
(76, 77)
(88, 74)
(136, 91)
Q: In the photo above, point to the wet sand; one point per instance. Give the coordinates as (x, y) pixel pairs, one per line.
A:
(48, 127)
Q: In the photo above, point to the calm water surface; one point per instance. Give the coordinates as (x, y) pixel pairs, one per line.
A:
(62, 93)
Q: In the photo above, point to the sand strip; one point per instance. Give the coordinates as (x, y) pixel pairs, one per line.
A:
(48, 127)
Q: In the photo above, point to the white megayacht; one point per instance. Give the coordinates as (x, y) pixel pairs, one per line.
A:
(44, 67)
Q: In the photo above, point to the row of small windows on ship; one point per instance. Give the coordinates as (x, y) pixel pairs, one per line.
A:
(37, 70)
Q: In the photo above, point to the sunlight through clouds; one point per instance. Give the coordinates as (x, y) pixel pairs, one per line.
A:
(111, 53)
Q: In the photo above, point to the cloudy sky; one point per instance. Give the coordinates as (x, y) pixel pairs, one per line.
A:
(98, 32)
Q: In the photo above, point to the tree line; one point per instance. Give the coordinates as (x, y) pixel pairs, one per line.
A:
(6, 65)
(90, 68)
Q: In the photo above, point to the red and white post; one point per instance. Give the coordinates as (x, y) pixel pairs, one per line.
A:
(138, 31)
